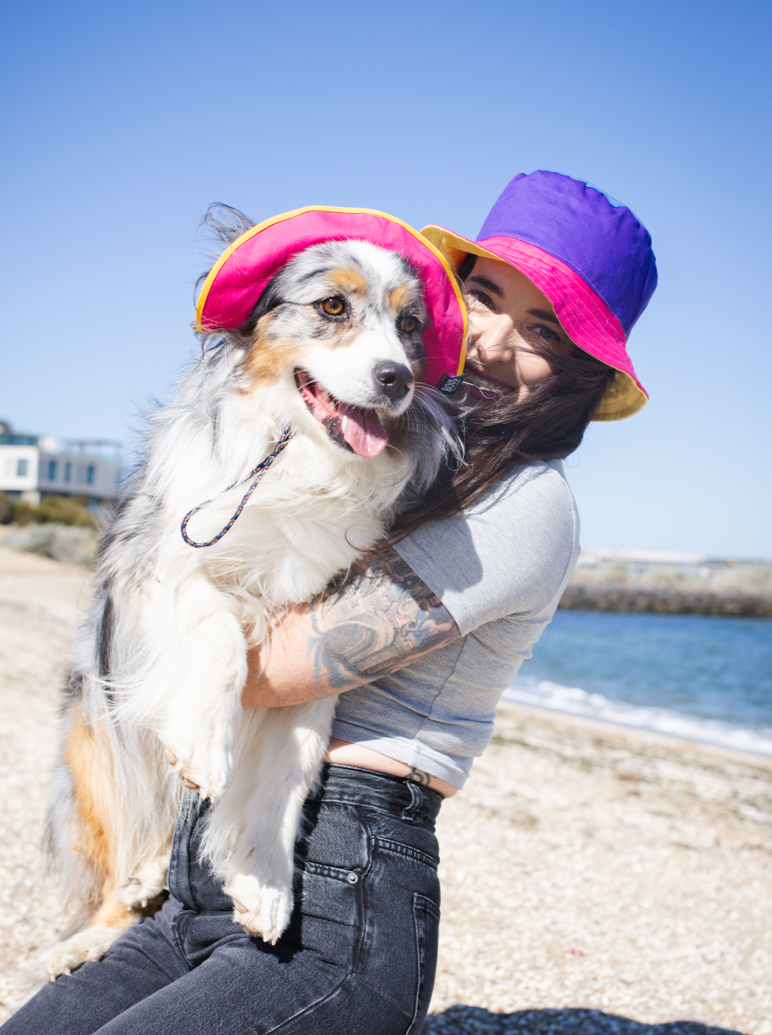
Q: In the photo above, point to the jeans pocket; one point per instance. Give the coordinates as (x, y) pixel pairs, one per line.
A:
(426, 924)
(335, 837)
(331, 859)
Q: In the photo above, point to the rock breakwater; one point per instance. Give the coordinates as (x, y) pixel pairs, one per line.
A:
(665, 600)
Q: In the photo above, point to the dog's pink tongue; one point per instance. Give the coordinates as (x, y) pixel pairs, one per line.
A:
(363, 431)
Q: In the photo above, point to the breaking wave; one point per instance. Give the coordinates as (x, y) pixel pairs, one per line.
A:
(542, 693)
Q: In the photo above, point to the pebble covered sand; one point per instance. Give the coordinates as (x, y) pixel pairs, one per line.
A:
(596, 881)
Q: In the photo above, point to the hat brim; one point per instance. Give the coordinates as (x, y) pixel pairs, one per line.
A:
(583, 315)
(246, 267)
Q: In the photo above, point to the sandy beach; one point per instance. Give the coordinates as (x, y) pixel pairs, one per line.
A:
(595, 879)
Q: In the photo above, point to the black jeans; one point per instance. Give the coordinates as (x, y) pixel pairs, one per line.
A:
(358, 957)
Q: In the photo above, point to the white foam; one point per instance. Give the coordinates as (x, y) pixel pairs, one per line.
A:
(541, 693)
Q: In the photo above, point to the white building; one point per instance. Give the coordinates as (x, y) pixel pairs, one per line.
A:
(32, 467)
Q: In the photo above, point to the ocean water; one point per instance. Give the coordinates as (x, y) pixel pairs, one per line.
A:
(696, 676)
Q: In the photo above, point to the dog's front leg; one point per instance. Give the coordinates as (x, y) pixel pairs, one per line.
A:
(286, 759)
(201, 716)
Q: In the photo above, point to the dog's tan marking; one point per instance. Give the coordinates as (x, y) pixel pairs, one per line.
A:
(267, 364)
(90, 762)
(400, 296)
(348, 280)
(112, 912)
(89, 758)
(269, 358)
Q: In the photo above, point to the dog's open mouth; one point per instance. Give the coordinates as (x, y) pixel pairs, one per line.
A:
(353, 426)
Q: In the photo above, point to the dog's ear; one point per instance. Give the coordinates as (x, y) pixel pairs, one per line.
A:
(225, 222)
(225, 225)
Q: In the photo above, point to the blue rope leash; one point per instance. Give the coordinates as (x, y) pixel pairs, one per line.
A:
(259, 471)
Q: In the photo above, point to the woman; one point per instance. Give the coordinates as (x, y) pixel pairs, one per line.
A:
(435, 624)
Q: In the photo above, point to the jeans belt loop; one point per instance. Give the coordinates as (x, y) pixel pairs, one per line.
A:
(416, 800)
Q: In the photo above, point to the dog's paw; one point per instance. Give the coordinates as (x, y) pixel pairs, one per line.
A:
(203, 769)
(264, 909)
(84, 947)
(147, 883)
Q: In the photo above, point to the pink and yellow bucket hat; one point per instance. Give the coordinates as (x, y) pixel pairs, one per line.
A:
(590, 256)
(246, 267)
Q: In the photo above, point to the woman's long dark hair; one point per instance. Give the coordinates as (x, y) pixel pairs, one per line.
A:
(547, 424)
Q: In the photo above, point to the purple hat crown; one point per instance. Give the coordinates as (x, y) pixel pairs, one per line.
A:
(602, 241)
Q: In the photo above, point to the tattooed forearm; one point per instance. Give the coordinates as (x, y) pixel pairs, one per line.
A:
(383, 617)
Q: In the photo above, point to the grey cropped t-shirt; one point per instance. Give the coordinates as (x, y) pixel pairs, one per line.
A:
(500, 569)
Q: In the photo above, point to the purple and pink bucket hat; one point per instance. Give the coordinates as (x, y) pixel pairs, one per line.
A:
(590, 256)
(246, 267)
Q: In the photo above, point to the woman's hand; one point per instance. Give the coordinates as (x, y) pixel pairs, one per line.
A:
(382, 618)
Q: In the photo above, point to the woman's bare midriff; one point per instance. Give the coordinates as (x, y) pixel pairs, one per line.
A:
(343, 752)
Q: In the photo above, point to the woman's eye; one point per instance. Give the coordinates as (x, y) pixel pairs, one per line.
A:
(333, 306)
(480, 296)
(545, 332)
(408, 324)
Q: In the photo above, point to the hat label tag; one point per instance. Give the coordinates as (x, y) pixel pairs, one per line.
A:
(449, 385)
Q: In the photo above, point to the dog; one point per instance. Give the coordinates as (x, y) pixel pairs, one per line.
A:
(321, 384)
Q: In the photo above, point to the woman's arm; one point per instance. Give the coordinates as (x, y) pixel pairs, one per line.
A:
(383, 617)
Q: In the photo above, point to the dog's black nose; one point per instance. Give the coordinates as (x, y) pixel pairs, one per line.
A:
(394, 379)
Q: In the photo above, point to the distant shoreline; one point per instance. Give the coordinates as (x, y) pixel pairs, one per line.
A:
(665, 600)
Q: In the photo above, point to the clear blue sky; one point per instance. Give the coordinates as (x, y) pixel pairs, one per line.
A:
(122, 122)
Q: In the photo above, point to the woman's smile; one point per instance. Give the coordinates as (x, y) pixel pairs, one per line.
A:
(480, 385)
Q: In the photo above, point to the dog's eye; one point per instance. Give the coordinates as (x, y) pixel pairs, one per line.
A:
(408, 324)
(333, 306)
